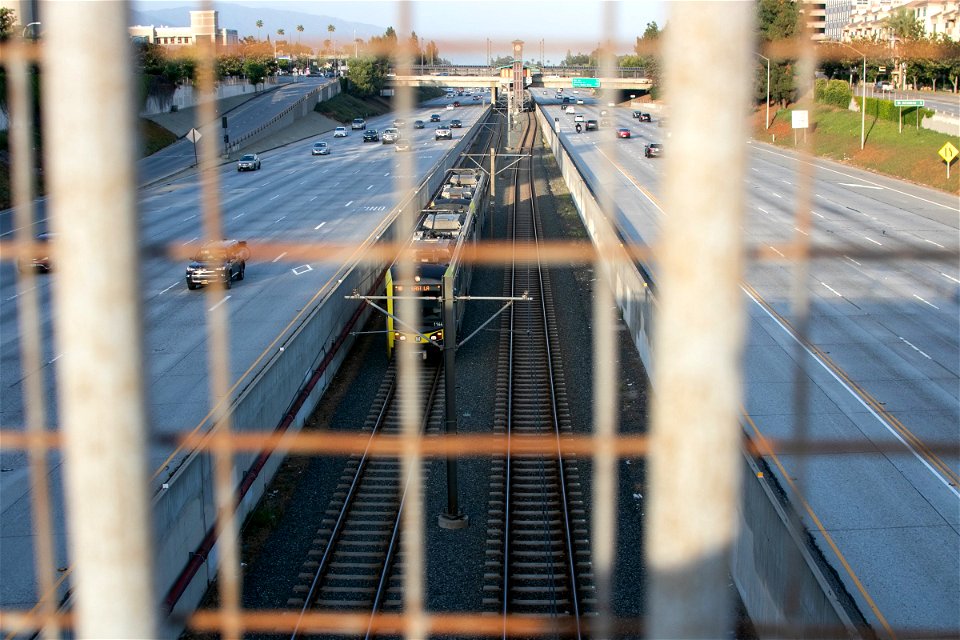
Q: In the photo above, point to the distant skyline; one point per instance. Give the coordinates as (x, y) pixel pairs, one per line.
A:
(461, 28)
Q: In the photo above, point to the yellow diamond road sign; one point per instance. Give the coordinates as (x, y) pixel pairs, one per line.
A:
(948, 152)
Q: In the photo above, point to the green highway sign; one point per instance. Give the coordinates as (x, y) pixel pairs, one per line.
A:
(586, 83)
(908, 103)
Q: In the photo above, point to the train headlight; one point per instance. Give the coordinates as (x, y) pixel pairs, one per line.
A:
(434, 337)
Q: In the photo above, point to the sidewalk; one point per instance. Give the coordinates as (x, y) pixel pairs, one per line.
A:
(180, 122)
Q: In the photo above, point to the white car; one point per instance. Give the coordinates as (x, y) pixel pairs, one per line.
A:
(450, 107)
(320, 149)
(340, 132)
(570, 109)
(579, 100)
(578, 117)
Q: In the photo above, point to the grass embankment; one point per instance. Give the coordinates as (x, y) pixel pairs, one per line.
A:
(911, 155)
(344, 107)
(154, 137)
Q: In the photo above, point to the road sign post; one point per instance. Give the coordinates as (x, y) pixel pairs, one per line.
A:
(949, 153)
(193, 136)
(908, 103)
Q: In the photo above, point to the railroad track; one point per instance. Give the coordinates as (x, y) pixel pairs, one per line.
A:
(538, 556)
(354, 563)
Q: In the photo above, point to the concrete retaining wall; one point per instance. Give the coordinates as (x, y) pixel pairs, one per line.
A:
(941, 123)
(777, 574)
(183, 508)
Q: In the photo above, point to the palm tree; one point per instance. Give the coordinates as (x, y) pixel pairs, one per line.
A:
(299, 31)
(280, 32)
(259, 26)
(330, 30)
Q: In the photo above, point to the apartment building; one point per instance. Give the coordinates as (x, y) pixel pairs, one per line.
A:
(937, 16)
(838, 16)
(203, 25)
(814, 14)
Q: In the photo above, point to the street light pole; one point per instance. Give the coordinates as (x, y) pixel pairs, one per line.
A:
(31, 24)
(768, 89)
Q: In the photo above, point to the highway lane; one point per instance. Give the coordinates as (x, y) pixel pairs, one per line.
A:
(881, 369)
(941, 101)
(295, 197)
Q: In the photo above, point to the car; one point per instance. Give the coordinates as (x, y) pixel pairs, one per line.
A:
(435, 117)
(390, 135)
(402, 145)
(455, 124)
(644, 117)
(218, 261)
(604, 122)
(623, 132)
(591, 125)
(418, 124)
(443, 132)
(320, 149)
(248, 162)
(603, 112)
(456, 103)
(636, 114)
(578, 117)
(565, 100)
(371, 135)
(653, 150)
(449, 107)
(579, 100)
(611, 104)
(477, 98)
(340, 132)
(570, 109)
(358, 123)
(40, 260)
(399, 122)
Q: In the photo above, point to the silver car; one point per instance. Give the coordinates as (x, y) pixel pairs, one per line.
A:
(320, 149)
(248, 162)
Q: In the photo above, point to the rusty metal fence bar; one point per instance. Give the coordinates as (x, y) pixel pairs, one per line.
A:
(695, 447)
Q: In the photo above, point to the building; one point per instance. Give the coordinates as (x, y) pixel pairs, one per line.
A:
(203, 25)
(814, 14)
(868, 20)
(937, 16)
(838, 16)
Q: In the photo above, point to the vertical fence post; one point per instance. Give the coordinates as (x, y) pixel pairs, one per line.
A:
(98, 321)
(695, 441)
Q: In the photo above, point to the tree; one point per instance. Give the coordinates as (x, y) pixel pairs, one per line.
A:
(331, 29)
(8, 18)
(255, 71)
(259, 26)
(502, 61)
(903, 24)
(280, 32)
(367, 76)
(777, 20)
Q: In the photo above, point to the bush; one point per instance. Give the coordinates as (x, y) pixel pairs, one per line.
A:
(835, 92)
(885, 110)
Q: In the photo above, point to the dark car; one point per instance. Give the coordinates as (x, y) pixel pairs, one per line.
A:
(248, 162)
(565, 100)
(623, 132)
(653, 150)
(218, 261)
(644, 117)
(591, 125)
(435, 117)
(456, 103)
(455, 124)
(40, 260)
(371, 135)
(418, 124)
(443, 132)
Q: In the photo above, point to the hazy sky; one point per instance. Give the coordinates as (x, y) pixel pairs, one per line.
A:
(461, 28)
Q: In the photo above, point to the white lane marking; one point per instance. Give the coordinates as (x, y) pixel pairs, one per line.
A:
(785, 181)
(914, 347)
(370, 187)
(777, 251)
(880, 244)
(314, 198)
(301, 182)
(264, 184)
(219, 303)
(348, 204)
(801, 231)
(320, 225)
(840, 173)
(55, 358)
(168, 288)
(755, 169)
(275, 197)
(190, 240)
(817, 195)
(860, 186)
(930, 304)
(16, 295)
(858, 398)
(936, 244)
(835, 292)
(277, 259)
(386, 175)
(239, 215)
(764, 210)
(949, 277)
(819, 215)
(190, 218)
(777, 194)
(279, 219)
(302, 269)
(853, 261)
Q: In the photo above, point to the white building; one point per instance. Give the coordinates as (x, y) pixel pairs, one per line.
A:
(203, 25)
